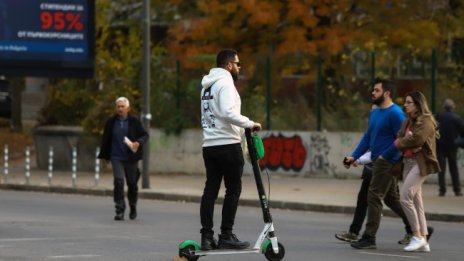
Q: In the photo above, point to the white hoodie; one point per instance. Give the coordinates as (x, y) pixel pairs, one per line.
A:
(220, 110)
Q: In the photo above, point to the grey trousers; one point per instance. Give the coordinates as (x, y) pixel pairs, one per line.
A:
(128, 171)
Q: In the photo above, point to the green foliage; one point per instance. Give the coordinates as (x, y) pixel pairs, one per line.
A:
(117, 73)
(294, 33)
(118, 66)
(67, 103)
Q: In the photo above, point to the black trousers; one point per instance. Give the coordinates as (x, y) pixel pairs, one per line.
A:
(361, 203)
(129, 171)
(451, 154)
(225, 161)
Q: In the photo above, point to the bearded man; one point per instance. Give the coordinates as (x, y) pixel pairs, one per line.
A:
(384, 123)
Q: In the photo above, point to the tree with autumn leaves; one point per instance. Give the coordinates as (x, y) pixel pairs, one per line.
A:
(294, 32)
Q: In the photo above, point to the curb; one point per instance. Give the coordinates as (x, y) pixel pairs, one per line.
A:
(196, 199)
(57, 189)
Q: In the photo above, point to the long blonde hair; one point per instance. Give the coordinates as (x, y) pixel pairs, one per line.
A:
(423, 109)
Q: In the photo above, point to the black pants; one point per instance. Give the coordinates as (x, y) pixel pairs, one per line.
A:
(451, 154)
(129, 171)
(226, 162)
(361, 204)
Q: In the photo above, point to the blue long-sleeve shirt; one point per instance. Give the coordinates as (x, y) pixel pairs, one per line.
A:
(381, 132)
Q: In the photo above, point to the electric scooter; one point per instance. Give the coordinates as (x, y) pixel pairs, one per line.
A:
(266, 243)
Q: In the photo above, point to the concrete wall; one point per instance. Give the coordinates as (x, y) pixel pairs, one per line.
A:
(63, 139)
(294, 153)
(33, 97)
(287, 153)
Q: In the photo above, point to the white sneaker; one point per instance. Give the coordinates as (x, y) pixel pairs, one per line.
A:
(425, 248)
(415, 244)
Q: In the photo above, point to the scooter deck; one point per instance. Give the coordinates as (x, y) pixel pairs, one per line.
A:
(226, 251)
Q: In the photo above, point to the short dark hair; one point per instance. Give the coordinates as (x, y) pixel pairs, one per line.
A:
(225, 56)
(387, 85)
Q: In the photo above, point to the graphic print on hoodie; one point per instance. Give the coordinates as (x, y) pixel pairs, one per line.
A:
(207, 119)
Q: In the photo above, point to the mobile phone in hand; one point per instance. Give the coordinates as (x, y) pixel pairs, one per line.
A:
(346, 163)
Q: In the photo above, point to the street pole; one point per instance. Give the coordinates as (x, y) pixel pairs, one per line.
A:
(16, 87)
(319, 93)
(178, 90)
(269, 94)
(372, 70)
(434, 80)
(146, 115)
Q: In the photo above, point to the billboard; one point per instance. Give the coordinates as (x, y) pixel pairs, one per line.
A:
(47, 38)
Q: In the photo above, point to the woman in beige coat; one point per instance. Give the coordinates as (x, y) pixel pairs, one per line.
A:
(416, 140)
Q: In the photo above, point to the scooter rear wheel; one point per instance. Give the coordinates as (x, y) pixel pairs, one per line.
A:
(271, 256)
(187, 252)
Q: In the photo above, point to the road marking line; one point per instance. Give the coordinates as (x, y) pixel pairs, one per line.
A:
(24, 239)
(72, 256)
(72, 238)
(379, 254)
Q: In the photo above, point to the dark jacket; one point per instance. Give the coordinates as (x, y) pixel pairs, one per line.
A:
(136, 132)
(451, 126)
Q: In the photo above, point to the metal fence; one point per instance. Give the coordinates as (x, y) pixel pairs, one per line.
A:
(309, 92)
(28, 172)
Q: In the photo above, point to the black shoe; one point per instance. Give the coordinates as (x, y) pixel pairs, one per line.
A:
(365, 243)
(119, 216)
(441, 194)
(133, 213)
(230, 241)
(208, 242)
(458, 194)
(430, 230)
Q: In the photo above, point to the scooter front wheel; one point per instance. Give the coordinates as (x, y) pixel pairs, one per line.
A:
(271, 256)
(187, 253)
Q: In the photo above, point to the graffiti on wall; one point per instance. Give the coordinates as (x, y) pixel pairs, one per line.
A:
(318, 158)
(346, 140)
(287, 153)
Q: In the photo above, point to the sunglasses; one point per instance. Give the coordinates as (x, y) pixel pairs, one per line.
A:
(408, 102)
(237, 63)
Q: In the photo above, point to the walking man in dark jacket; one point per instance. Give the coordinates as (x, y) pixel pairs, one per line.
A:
(451, 125)
(121, 144)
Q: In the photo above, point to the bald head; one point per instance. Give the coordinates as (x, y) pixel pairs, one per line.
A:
(448, 105)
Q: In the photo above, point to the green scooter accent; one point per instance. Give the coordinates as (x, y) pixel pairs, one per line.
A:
(187, 243)
(258, 142)
(265, 245)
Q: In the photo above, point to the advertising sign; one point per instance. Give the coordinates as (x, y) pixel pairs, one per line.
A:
(47, 38)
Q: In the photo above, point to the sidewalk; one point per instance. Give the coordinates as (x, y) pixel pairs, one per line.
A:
(295, 193)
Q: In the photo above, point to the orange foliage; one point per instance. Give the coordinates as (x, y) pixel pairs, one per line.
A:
(309, 27)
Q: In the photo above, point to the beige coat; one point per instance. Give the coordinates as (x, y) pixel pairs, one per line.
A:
(424, 137)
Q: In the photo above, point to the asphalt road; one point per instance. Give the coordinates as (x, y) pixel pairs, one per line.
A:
(40, 226)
